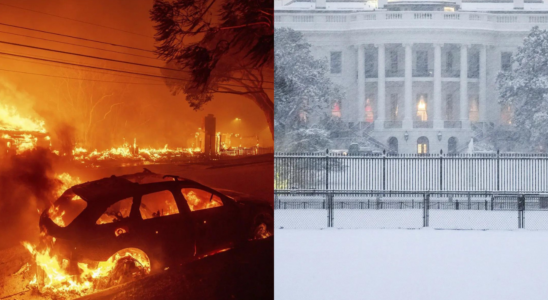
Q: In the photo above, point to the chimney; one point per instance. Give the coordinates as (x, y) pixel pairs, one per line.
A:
(381, 3)
(320, 4)
(518, 4)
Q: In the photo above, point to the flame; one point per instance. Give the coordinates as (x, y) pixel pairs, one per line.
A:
(10, 120)
(52, 276)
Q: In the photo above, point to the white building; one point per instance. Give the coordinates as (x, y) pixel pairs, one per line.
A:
(419, 75)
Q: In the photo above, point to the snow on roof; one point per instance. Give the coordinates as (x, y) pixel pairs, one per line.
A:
(470, 5)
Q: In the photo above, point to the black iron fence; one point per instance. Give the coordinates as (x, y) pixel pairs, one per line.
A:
(412, 172)
(405, 209)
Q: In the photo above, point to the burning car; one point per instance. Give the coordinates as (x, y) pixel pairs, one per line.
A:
(162, 223)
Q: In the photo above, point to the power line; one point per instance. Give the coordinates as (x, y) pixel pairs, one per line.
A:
(113, 70)
(69, 67)
(75, 20)
(75, 78)
(108, 59)
(76, 37)
(78, 45)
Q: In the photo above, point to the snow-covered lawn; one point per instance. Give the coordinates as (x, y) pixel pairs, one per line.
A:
(409, 218)
(420, 264)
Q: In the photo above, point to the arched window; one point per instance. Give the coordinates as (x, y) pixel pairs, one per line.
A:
(423, 145)
(393, 145)
(452, 145)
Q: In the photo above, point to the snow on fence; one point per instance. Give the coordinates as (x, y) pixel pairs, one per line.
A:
(412, 172)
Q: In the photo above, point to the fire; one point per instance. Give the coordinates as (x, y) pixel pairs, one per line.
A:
(10, 120)
(52, 277)
(67, 181)
(262, 232)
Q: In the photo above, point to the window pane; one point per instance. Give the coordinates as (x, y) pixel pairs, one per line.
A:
(157, 205)
(198, 199)
(116, 212)
(336, 62)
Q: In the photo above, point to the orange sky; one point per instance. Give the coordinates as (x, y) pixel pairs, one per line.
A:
(146, 111)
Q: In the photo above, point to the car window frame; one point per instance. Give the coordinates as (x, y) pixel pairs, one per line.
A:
(129, 217)
(209, 190)
(183, 209)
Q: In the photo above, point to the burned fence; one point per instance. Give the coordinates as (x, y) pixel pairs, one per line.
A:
(412, 172)
(438, 209)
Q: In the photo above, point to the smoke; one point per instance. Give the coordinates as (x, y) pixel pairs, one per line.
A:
(27, 187)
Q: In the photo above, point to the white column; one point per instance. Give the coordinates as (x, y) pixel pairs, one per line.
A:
(408, 87)
(483, 84)
(381, 88)
(463, 115)
(361, 83)
(438, 117)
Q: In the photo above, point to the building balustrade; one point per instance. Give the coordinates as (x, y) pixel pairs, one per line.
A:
(410, 19)
(452, 124)
(392, 124)
(422, 124)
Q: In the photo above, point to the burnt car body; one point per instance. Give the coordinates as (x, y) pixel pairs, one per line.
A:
(163, 219)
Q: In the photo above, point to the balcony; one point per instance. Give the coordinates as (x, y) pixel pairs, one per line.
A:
(422, 124)
(370, 20)
(395, 73)
(452, 124)
(392, 124)
(423, 73)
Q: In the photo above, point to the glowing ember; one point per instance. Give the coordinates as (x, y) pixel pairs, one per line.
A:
(52, 276)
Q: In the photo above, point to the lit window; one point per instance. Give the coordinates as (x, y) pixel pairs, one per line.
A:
(506, 114)
(303, 116)
(198, 199)
(116, 212)
(448, 9)
(336, 110)
(393, 107)
(474, 111)
(422, 145)
(158, 204)
(422, 115)
(369, 117)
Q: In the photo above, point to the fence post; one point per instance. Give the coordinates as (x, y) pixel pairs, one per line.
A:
(441, 170)
(457, 204)
(498, 170)
(425, 210)
(326, 169)
(492, 201)
(485, 204)
(384, 170)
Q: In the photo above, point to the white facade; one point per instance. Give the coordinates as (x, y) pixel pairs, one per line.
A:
(412, 74)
